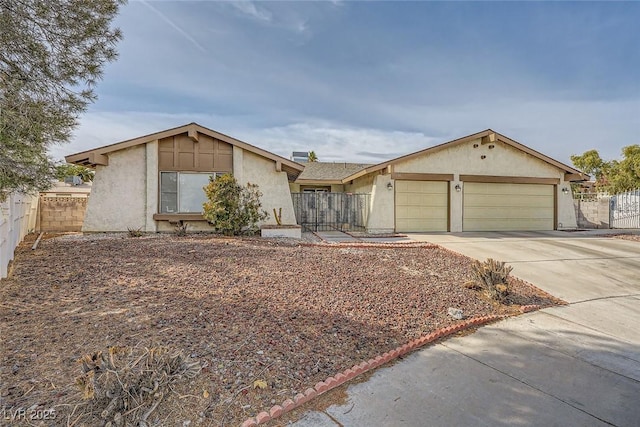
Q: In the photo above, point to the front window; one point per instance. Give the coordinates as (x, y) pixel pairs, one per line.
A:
(182, 192)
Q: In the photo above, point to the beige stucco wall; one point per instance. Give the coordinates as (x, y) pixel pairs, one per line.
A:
(464, 159)
(274, 186)
(567, 219)
(502, 160)
(118, 194)
(125, 193)
(381, 209)
(152, 183)
(362, 185)
(382, 214)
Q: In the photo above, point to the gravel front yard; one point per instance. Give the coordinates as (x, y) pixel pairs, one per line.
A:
(246, 309)
(635, 237)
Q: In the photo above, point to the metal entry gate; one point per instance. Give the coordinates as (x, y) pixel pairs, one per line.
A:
(624, 210)
(331, 211)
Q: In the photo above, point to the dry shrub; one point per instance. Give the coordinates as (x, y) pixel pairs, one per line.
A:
(492, 277)
(181, 229)
(124, 386)
(135, 232)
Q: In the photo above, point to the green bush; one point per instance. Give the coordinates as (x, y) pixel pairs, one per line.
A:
(231, 208)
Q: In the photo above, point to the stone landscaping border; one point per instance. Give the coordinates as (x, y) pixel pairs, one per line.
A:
(355, 371)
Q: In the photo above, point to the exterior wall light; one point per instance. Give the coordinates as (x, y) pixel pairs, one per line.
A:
(458, 188)
(389, 186)
(565, 190)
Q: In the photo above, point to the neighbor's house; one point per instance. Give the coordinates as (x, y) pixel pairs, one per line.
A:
(484, 181)
(154, 181)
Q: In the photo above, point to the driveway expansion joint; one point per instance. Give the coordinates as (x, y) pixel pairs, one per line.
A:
(605, 298)
(523, 382)
(357, 370)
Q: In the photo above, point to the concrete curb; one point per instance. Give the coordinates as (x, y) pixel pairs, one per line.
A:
(389, 245)
(360, 244)
(357, 370)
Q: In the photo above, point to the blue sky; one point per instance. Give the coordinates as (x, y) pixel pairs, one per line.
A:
(368, 81)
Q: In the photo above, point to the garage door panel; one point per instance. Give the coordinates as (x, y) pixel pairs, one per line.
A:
(421, 206)
(502, 188)
(494, 200)
(507, 212)
(422, 213)
(508, 225)
(420, 224)
(507, 207)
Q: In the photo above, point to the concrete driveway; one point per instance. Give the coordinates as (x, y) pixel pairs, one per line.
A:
(577, 365)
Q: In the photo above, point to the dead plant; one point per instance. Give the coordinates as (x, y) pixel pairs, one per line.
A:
(135, 232)
(181, 229)
(492, 277)
(124, 386)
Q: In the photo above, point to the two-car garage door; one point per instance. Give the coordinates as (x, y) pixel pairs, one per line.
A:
(506, 207)
(424, 206)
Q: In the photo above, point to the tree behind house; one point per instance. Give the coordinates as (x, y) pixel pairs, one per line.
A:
(231, 208)
(65, 170)
(613, 176)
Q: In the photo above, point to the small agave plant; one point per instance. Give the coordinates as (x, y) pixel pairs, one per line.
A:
(492, 277)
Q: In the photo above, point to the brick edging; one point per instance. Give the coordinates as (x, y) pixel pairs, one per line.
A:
(356, 370)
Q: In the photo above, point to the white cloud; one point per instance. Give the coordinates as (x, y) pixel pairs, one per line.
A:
(557, 129)
(252, 10)
(332, 142)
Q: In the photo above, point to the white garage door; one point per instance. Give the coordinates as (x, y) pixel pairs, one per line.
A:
(505, 207)
(422, 206)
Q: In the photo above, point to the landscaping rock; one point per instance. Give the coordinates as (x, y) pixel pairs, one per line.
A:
(456, 313)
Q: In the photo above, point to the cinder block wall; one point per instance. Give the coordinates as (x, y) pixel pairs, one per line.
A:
(62, 213)
(592, 213)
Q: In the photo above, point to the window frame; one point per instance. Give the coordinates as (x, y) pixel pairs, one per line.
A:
(178, 173)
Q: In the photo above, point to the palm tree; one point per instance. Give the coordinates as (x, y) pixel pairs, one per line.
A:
(312, 156)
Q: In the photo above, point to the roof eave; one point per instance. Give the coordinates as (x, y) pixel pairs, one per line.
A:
(490, 135)
(98, 156)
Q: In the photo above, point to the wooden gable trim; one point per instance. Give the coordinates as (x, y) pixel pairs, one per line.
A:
(98, 159)
(571, 177)
(486, 136)
(192, 130)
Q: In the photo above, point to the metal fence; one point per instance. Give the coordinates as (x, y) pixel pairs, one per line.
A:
(624, 211)
(331, 211)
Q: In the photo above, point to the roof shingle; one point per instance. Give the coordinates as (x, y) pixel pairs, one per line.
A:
(325, 171)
